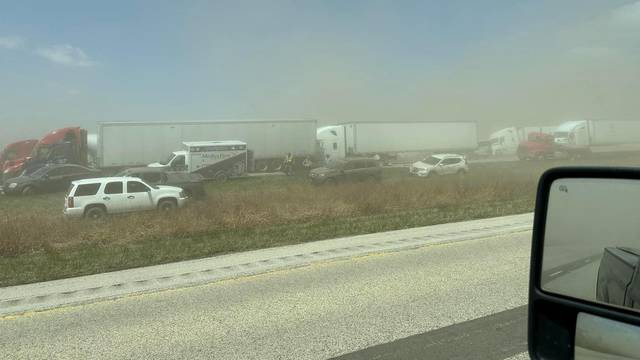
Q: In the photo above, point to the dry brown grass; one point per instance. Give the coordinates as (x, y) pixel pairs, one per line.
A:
(42, 228)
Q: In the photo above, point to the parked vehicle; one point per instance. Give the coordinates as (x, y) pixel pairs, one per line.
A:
(579, 138)
(95, 198)
(537, 146)
(388, 139)
(347, 169)
(440, 164)
(191, 183)
(127, 144)
(506, 141)
(48, 178)
(13, 156)
(218, 160)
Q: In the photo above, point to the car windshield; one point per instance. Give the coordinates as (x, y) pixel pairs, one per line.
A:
(168, 160)
(327, 179)
(431, 160)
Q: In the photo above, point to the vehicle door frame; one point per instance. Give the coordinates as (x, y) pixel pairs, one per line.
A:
(114, 202)
(138, 201)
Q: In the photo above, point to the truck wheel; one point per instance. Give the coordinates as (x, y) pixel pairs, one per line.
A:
(95, 213)
(167, 205)
(28, 190)
(220, 176)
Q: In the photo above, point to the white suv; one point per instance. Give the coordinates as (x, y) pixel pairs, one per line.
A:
(94, 198)
(440, 164)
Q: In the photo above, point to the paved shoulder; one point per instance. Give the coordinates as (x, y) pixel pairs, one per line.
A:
(47, 295)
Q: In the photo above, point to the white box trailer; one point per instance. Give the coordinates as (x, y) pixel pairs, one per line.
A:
(583, 136)
(505, 141)
(393, 138)
(122, 144)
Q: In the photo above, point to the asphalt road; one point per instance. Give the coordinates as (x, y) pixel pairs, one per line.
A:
(467, 295)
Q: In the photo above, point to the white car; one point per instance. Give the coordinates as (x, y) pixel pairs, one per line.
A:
(440, 164)
(94, 198)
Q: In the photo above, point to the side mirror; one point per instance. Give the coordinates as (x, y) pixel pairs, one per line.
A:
(584, 286)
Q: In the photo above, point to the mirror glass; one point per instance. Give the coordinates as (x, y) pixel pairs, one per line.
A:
(592, 241)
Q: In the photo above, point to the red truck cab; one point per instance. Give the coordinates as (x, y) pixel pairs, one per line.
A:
(67, 145)
(13, 156)
(538, 146)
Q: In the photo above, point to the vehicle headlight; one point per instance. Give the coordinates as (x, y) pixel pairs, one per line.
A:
(13, 185)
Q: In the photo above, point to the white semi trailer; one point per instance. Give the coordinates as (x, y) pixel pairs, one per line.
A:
(388, 139)
(123, 144)
(581, 137)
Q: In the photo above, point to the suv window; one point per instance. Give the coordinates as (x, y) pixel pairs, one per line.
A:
(87, 189)
(113, 188)
(136, 187)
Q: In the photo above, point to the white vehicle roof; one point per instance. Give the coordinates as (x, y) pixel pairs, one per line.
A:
(569, 125)
(444, 156)
(213, 143)
(105, 179)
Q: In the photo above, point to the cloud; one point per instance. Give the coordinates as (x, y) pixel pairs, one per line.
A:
(66, 55)
(628, 15)
(11, 42)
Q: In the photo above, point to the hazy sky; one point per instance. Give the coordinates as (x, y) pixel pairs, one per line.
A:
(497, 62)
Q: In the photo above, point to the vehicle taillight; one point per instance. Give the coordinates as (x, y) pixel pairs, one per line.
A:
(70, 202)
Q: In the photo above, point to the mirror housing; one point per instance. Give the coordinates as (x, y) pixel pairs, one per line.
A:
(553, 317)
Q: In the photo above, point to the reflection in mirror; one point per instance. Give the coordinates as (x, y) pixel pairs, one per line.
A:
(592, 241)
(605, 339)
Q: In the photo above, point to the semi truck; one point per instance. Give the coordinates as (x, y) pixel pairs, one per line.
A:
(66, 145)
(506, 141)
(13, 156)
(126, 144)
(579, 138)
(389, 139)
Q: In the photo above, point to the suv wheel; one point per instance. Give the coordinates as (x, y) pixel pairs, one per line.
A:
(28, 190)
(95, 213)
(167, 205)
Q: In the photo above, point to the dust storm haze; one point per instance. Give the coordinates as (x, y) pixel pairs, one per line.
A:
(532, 65)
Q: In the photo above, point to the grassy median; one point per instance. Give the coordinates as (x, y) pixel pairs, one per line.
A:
(37, 244)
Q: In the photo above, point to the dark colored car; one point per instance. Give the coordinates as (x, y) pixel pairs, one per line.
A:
(48, 178)
(618, 277)
(347, 169)
(191, 183)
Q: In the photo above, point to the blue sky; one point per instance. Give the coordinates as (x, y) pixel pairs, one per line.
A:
(78, 62)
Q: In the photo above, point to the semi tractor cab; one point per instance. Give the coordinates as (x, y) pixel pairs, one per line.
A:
(13, 156)
(217, 160)
(537, 146)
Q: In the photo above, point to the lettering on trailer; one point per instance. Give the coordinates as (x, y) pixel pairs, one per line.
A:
(235, 164)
